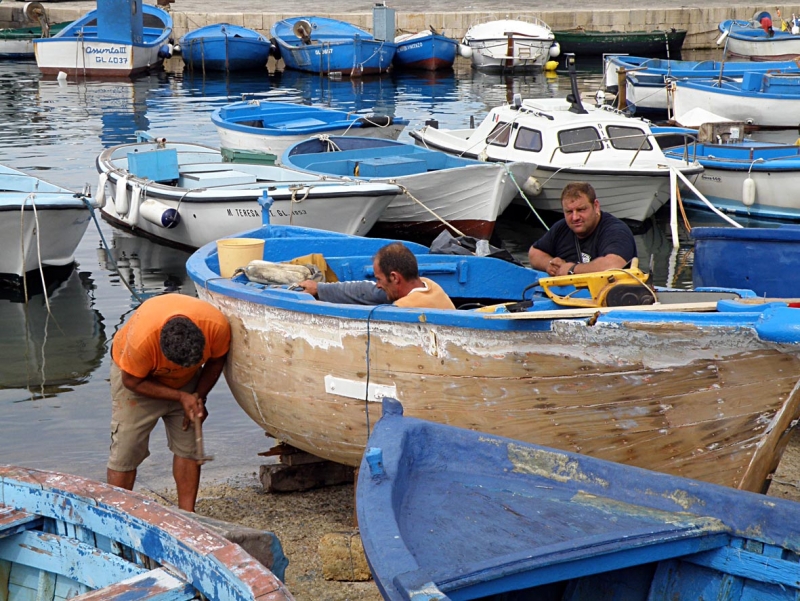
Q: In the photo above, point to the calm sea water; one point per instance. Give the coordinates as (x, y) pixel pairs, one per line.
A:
(54, 392)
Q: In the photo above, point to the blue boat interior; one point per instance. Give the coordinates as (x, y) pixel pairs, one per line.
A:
(369, 157)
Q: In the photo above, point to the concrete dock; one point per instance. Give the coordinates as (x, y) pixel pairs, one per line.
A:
(452, 16)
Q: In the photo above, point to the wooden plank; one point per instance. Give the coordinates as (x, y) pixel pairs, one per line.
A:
(5, 574)
(155, 585)
(589, 312)
(745, 564)
(13, 521)
(81, 562)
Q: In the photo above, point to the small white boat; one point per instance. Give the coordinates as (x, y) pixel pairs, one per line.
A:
(764, 99)
(509, 45)
(568, 141)
(266, 126)
(749, 40)
(185, 195)
(101, 43)
(41, 224)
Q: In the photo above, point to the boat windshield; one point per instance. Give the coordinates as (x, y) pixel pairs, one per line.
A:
(528, 139)
(500, 135)
(628, 138)
(581, 139)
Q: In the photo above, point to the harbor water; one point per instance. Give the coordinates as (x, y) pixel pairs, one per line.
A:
(54, 391)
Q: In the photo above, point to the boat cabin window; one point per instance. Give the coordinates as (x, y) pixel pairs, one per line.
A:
(528, 139)
(499, 135)
(628, 138)
(582, 139)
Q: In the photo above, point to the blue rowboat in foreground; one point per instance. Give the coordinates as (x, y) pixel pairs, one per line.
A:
(765, 259)
(64, 537)
(449, 513)
(272, 127)
(225, 47)
(694, 386)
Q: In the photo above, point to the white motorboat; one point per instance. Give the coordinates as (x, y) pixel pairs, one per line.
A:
(568, 141)
(186, 195)
(509, 45)
(41, 224)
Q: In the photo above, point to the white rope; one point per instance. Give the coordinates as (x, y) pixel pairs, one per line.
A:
(420, 203)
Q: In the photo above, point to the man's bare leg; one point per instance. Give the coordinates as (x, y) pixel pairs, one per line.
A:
(187, 479)
(124, 480)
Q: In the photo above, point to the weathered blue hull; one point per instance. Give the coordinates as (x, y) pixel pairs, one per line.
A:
(67, 534)
(450, 513)
(763, 259)
(224, 47)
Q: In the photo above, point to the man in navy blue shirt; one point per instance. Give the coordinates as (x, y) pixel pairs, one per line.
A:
(586, 240)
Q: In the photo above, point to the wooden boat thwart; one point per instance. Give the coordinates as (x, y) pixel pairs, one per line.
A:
(711, 395)
(62, 536)
(447, 513)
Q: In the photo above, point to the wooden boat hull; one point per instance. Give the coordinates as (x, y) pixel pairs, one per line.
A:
(425, 50)
(638, 43)
(447, 513)
(672, 393)
(762, 259)
(60, 532)
(225, 47)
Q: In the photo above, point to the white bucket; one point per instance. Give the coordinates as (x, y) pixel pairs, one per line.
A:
(238, 252)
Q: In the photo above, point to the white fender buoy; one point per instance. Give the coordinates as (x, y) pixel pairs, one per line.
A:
(100, 196)
(159, 214)
(121, 197)
(464, 51)
(61, 76)
(555, 50)
(749, 192)
(532, 186)
(136, 199)
(722, 38)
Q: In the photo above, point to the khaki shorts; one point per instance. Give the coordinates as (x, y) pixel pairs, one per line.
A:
(133, 418)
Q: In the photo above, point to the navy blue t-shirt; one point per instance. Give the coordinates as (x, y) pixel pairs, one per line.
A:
(610, 237)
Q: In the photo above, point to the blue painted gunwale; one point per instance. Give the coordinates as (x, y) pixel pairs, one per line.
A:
(461, 277)
(449, 513)
(286, 118)
(732, 87)
(151, 36)
(433, 51)
(50, 513)
(743, 156)
(751, 31)
(225, 47)
(767, 259)
(658, 68)
(338, 46)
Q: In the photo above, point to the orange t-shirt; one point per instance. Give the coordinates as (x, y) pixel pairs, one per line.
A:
(137, 350)
(430, 297)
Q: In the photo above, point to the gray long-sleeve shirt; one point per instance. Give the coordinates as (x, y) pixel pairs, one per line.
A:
(363, 292)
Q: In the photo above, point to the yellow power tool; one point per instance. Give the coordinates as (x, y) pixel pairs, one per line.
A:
(612, 288)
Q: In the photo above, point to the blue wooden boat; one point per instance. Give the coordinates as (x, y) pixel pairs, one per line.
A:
(696, 386)
(466, 193)
(750, 40)
(763, 99)
(111, 41)
(225, 47)
(427, 50)
(764, 259)
(646, 78)
(269, 126)
(742, 176)
(320, 45)
(449, 513)
(62, 536)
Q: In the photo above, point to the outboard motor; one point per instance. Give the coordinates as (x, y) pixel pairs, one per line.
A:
(574, 97)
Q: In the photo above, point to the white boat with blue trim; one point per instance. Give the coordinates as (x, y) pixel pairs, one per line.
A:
(707, 387)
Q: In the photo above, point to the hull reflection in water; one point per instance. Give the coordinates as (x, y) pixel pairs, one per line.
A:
(49, 352)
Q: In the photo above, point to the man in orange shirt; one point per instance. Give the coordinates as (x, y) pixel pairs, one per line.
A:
(165, 361)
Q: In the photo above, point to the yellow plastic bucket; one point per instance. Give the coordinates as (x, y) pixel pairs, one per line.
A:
(238, 252)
